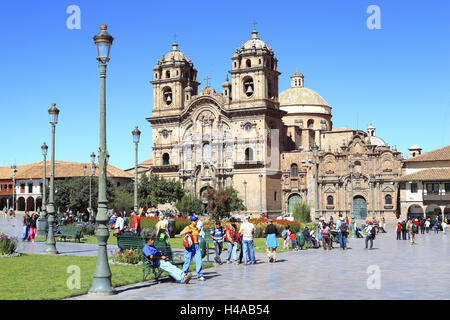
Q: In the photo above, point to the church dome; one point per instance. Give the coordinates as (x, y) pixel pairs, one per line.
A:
(301, 96)
(377, 141)
(254, 42)
(175, 54)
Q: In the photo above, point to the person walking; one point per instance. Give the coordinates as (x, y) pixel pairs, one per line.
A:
(193, 252)
(247, 231)
(285, 234)
(408, 228)
(403, 230)
(25, 226)
(342, 229)
(444, 226)
(33, 223)
(399, 231)
(271, 241)
(436, 226)
(231, 239)
(370, 234)
(217, 235)
(326, 236)
(162, 231)
(427, 225)
(118, 227)
(414, 230)
(422, 226)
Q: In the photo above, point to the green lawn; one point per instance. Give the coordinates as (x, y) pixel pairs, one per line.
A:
(44, 277)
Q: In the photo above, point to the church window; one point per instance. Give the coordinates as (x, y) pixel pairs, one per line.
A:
(177, 72)
(156, 76)
(310, 124)
(249, 154)
(248, 63)
(166, 159)
(248, 126)
(294, 170)
(165, 133)
(206, 151)
(235, 65)
(248, 86)
(167, 93)
(167, 74)
(259, 61)
(275, 196)
(330, 200)
(388, 199)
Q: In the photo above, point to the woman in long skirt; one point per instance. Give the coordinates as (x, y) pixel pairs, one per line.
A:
(271, 241)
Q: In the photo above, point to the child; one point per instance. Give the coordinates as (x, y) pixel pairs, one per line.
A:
(285, 234)
(293, 237)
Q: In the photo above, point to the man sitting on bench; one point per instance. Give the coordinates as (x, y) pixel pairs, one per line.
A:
(160, 261)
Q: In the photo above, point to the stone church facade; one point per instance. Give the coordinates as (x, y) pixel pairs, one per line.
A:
(258, 140)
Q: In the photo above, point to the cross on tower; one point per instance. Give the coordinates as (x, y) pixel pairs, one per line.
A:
(254, 25)
(207, 79)
(175, 37)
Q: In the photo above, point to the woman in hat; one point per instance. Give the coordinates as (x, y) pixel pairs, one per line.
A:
(193, 252)
(271, 241)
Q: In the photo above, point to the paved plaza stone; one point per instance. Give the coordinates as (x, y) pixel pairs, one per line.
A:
(419, 271)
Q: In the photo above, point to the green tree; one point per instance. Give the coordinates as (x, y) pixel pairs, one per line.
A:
(236, 203)
(73, 193)
(156, 190)
(124, 198)
(302, 212)
(185, 205)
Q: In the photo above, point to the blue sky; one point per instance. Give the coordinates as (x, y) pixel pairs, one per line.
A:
(396, 78)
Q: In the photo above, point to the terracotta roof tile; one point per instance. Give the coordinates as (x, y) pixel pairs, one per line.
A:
(441, 174)
(63, 169)
(440, 154)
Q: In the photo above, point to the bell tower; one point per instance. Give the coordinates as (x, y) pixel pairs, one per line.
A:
(254, 75)
(174, 82)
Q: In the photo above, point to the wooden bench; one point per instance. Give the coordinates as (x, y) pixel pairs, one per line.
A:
(70, 232)
(165, 249)
(131, 243)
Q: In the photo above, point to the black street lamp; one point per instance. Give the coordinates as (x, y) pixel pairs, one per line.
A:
(14, 171)
(42, 221)
(50, 245)
(102, 276)
(136, 137)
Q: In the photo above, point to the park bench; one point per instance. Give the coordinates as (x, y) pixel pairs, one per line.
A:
(165, 249)
(131, 243)
(70, 232)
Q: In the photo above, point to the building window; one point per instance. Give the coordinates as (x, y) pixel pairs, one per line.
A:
(413, 187)
(248, 154)
(447, 188)
(248, 63)
(275, 196)
(388, 199)
(330, 200)
(10, 186)
(22, 188)
(167, 74)
(432, 188)
(248, 126)
(310, 124)
(167, 94)
(294, 170)
(166, 159)
(30, 188)
(248, 86)
(206, 151)
(118, 184)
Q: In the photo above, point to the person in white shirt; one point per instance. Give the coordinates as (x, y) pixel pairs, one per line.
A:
(444, 226)
(370, 236)
(201, 233)
(427, 225)
(247, 231)
(118, 227)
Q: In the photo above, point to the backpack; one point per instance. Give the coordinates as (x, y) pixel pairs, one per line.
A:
(373, 232)
(188, 241)
(343, 228)
(415, 229)
(403, 226)
(284, 234)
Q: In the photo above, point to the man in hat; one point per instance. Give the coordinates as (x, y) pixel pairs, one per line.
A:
(193, 252)
(160, 261)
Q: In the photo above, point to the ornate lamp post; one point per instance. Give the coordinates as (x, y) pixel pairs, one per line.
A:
(14, 171)
(315, 149)
(352, 213)
(245, 196)
(50, 245)
(93, 167)
(42, 221)
(102, 276)
(136, 136)
(260, 194)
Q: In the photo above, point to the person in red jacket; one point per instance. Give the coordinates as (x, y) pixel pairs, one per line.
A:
(399, 231)
(230, 239)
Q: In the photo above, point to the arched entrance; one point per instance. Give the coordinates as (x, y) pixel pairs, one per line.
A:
(39, 204)
(30, 203)
(292, 201)
(415, 211)
(433, 212)
(360, 208)
(21, 204)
